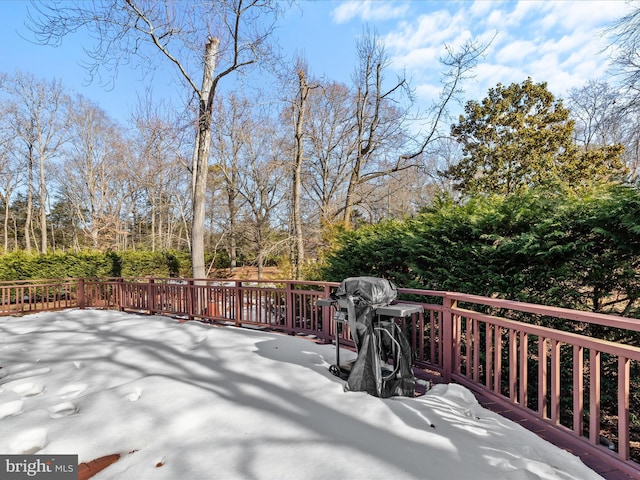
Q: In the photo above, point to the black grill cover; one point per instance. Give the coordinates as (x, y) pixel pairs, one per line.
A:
(362, 295)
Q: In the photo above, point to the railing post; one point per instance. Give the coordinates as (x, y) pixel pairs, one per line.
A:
(448, 340)
(326, 317)
(120, 293)
(151, 308)
(239, 303)
(80, 294)
(190, 298)
(290, 310)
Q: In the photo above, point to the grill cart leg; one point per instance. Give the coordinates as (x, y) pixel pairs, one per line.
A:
(339, 317)
(335, 369)
(341, 371)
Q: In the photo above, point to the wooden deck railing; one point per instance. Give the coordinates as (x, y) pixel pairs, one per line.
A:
(567, 378)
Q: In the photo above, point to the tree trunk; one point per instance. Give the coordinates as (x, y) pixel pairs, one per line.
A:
(297, 172)
(201, 161)
(7, 212)
(27, 222)
(233, 243)
(43, 209)
(354, 180)
(153, 225)
(351, 194)
(15, 234)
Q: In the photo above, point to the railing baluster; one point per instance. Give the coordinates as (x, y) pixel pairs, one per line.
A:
(555, 381)
(476, 351)
(542, 377)
(432, 340)
(457, 342)
(578, 390)
(497, 362)
(513, 366)
(468, 337)
(488, 357)
(594, 396)
(524, 369)
(623, 407)
(420, 333)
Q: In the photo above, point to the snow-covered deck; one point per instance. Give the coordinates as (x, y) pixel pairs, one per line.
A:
(190, 400)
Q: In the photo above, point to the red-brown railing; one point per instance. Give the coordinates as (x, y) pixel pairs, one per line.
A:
(497, 347)
(28, 296)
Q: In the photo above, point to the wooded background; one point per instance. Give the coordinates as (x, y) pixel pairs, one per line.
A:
(285, 176)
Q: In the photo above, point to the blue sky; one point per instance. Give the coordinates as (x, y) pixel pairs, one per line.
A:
(559, 42)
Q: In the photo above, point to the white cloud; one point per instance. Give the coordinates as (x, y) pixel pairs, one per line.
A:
(418, 58)
(515, 51)
(368, 10)
(427, 92)
(583, 15)
(345, 12)
(544, 67)
(488, 75)
(559, 82)
(435, 28)
(480, 8)
(550, 41)
(569, 43)
(504, 17)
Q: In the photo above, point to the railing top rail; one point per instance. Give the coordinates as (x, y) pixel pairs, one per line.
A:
(608, 320)
(241, 281)
(559, 312)
(572, 338)
(40, 281)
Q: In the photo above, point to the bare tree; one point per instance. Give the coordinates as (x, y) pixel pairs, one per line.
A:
(328, 133)
(442, 154)
(625, 67)
(9, 182)
(625, 63)
(38, 109)
(231, 135)
(459, 67)
(96, 190)
(194, 38)
(375, 116)
(603, 117)
(299, 114)
(159, 175)
(597, 119)
(262, 188)
(381, 113)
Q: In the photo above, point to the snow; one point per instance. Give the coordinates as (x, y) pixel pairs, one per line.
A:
(194, 401)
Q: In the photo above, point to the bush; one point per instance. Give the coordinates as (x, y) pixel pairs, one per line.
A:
(141, 263)
(545, 246)
(92, 264)
(23, 266)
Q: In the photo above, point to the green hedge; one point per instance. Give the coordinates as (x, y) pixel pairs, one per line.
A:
(91, 264)
(156, 264)
(553, 247)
